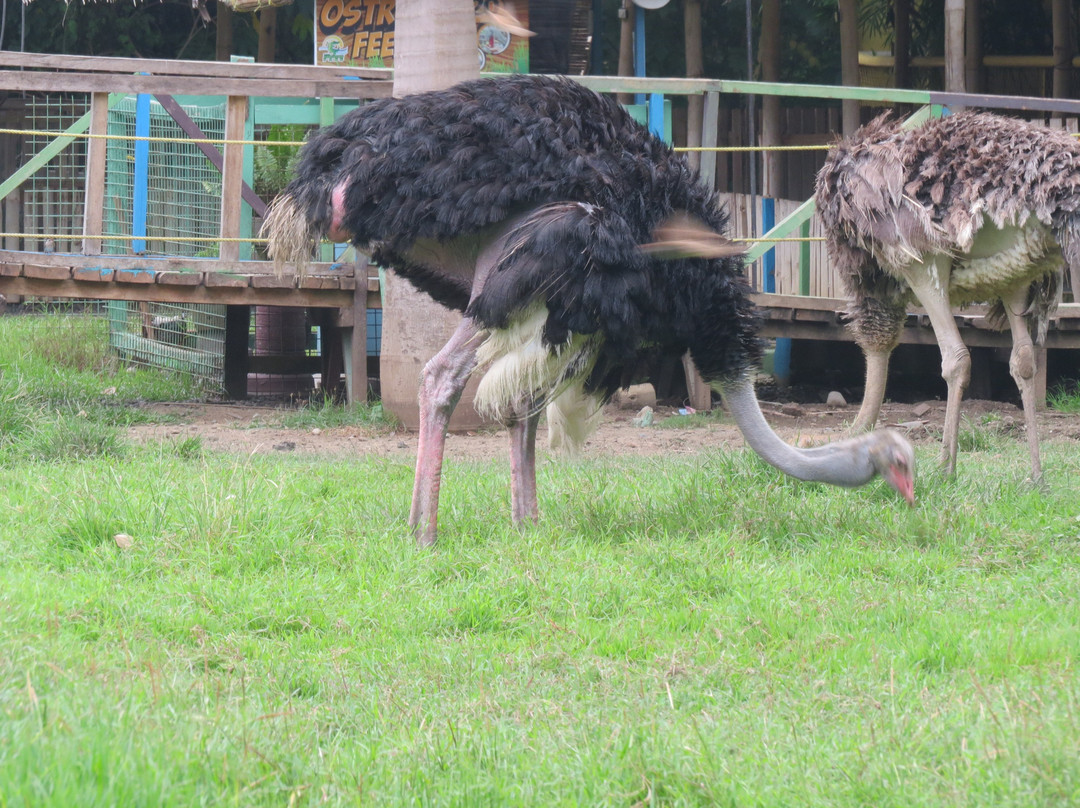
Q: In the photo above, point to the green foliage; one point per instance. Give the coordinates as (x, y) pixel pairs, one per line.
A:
(274, 165)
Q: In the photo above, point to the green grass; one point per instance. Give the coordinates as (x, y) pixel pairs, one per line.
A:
(690, 631)
(1065, 397)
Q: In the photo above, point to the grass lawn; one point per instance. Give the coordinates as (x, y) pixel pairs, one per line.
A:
(678, 631)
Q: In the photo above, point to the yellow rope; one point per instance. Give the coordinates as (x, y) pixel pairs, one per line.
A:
(821, 147)
(218, 240)
(124, 237)
(58, 135)
(771, 240)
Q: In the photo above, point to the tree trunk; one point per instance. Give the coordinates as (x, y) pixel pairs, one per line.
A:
(902, 44)
(267, 35)
(849, 61)
(1064, 48)
(435, 47)
(626, 47)
(973, 51)
(695, 69)
(955, 79)
(223, 42)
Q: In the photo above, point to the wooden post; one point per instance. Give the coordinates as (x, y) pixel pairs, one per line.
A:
(354, 340)
(771, 135)
(237, 323)
(94, 202)
(709, 138)
(849, 62)
(232, 176)
(695, 69)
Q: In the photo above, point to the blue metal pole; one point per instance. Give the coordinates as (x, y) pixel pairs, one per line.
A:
(782, 350)
(141, 188)
(656, 114)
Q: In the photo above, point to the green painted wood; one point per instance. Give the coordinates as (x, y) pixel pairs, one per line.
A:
(804, 259)
(780, 229)
(51, 150)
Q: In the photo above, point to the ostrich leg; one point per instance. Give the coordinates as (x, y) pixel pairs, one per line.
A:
(876, 323)
(930, 282)
(877, 372)
(1022, 366)
(523, 504)
(442, 382)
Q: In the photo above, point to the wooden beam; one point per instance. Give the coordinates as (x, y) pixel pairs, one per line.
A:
(180, 67)
(25, 81)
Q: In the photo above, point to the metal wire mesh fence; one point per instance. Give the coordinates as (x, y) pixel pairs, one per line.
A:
(161, 189)
(53, 196)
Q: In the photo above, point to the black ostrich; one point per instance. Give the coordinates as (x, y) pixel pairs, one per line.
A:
(555, 223)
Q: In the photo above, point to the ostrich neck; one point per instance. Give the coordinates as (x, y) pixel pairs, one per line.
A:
(845, 463)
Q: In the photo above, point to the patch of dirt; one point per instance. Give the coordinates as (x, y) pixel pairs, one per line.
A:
(251, 429)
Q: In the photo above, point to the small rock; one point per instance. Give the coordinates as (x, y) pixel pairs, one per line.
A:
(836, 399)
(316, 431)
(635, 397)
(919, 410)
(402, 445)
(794, 410)
(123, 541)
(285, 446)
(643, 418)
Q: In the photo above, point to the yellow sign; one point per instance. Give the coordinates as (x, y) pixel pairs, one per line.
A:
(361, 33)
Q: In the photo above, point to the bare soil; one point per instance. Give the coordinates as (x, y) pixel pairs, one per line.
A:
(252, 429)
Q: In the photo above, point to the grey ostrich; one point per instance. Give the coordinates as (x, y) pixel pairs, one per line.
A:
(557, 225)
(968, 208)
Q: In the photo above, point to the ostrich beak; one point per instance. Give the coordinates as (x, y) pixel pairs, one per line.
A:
(902, 478)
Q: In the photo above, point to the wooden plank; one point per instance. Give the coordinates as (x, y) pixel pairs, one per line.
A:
(94, 202)
(92, 275)
(221, 280)
(139, 276)
(12, 270)
(159, 264)
(169, 278)
(46, 272)
(232, 176)
(158, 293)
(277, 282)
